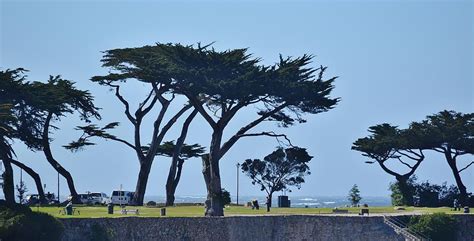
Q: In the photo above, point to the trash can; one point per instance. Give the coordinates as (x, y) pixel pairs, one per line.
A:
(110, 208)
(466, 209)
(283, 202)
(163, 211)
(69, 210)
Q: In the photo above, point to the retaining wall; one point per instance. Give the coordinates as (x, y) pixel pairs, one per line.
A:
(247, 228)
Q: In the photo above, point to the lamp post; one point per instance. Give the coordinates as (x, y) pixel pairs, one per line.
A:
(238, 165)
(58, 192)
(58, 185)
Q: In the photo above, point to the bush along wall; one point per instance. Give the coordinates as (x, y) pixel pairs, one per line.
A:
(437, 226)
(19, 223)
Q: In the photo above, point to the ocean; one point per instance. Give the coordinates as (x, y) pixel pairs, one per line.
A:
(296, 201)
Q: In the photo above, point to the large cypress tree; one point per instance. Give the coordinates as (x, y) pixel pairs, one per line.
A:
(388, 145)
(57, 98)
(221, 84)
(451, 134)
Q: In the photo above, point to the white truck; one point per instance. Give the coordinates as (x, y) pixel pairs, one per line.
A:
(121, 197)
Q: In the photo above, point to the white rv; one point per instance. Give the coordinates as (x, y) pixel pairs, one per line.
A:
(121, 197)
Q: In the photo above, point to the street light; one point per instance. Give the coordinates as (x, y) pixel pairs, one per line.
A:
(237, 165)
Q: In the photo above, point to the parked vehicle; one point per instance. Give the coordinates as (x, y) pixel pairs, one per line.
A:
(33, 199)
(99, 198)
(84, 197)
(122, 197)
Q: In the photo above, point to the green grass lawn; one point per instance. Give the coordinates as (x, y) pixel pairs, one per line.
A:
(198, 211)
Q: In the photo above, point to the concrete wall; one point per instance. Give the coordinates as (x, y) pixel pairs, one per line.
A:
(249, 228)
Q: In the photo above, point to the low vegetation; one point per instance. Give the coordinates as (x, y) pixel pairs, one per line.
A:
(18, 222)
(436, 226)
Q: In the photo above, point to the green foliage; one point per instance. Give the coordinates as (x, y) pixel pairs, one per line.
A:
(402, 193)
(20, 223)
(449, 130)
(225, 197)
(354, 195)
(231, 78)
(279, 170)
(437, 226)
(151, 203)
(425, 194)
(387, 142)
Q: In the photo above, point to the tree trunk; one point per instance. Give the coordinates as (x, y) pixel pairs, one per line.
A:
(8, 185)
(462, 189)
(176, 167)
(142, 181)
(173, 180)
(405, 190)
(214, 205)
(36, 178)
(55, 164)
(269, 201)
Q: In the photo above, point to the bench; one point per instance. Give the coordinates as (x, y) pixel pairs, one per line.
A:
(64, 211)
(364, 211)
(340, 211)
(127, 211)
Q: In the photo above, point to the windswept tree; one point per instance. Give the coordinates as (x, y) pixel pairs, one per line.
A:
(19, 119)
(278, 171)
(139, 65)
(220, 84)
(179, 153)
(451, 134)
(388, 146)
(57, 98)
(6, 152)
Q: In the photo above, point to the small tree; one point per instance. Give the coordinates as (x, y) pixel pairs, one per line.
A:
(225, 197)
(403, 197)
(279, 170)
(21, 189)
(354, 195)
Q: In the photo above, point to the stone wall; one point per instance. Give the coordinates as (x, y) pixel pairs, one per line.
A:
(247, 228)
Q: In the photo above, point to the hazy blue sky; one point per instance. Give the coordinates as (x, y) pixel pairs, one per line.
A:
(398, 61)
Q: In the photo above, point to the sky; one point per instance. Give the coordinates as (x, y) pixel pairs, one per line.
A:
(397, 62)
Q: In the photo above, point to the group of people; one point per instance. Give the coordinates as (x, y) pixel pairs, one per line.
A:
(255, 205)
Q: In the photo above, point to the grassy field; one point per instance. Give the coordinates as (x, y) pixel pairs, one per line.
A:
(198, 211)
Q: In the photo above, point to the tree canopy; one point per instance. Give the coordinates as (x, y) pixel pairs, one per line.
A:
(280, 170)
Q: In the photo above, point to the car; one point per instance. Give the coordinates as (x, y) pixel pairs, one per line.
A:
(121, 197)
(98, 198)
(84, 197)
(33, 199)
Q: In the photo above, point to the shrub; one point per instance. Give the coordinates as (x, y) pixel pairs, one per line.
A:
(151, 203)
(437, 226)
(225, 197)
(18, 222)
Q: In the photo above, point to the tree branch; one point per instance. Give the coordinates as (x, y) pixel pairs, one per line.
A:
(227, 145)
(124, 102)
(271, 134)
(468, 165)
(198, 105)
(404, 163)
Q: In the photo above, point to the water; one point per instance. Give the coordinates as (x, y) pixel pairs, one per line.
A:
(296, 201)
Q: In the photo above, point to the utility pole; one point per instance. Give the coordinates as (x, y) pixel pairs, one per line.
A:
(238, 165)
(59, 202)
